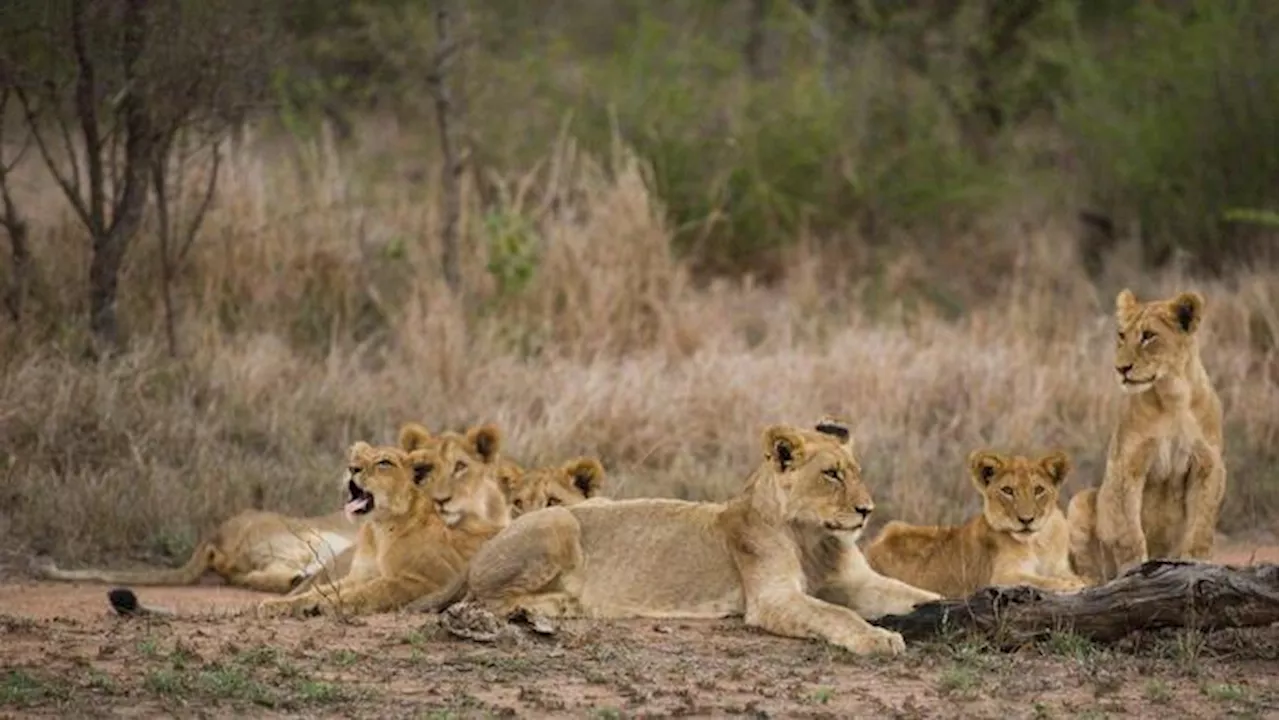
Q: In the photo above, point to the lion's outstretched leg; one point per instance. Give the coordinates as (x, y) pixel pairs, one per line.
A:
(276, 579)
(870, 594)
(329, 572)
(346, 597)
(1208, 484)
(776, 603)
(525, 566)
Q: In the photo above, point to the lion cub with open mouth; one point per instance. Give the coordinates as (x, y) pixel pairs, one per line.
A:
(1019, 538)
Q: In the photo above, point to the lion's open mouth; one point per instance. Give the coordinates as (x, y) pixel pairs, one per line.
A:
(1137, 382)
(361, 500)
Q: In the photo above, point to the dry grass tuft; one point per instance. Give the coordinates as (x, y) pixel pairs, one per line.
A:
(312, 315)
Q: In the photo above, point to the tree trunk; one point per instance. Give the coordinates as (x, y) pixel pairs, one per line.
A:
(1157, 594)
(20, 277)
(449, 126)
(109, 247)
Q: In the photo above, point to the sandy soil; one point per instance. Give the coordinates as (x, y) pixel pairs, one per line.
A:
(63, 654)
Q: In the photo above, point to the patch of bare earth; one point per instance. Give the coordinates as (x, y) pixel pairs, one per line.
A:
(63, 654)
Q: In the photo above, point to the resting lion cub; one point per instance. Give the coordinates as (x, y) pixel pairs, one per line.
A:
(1165, 478)
(1019, 538)
(573, 482)
(768, 554)
(428, 511)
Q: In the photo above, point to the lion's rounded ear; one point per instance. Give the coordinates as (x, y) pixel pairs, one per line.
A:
(783, 446)
(984, 465)
(1125, 301)
(414, 437)
(357, 449)
(485, 441)
(1056, 465)
(509, 476)
(1187, 309)
(587, 474)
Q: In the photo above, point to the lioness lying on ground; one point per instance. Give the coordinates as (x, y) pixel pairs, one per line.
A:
(1019, 538)
(254, 549)
(1165, 478)
(567, 484)
(427, 511)
(769, 554)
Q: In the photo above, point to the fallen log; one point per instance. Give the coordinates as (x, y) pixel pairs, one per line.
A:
(1156, 594)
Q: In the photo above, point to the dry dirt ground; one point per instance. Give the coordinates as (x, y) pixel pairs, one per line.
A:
(63, 654)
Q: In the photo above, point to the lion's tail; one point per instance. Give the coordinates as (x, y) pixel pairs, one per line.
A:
(442, 598)
(186, 575)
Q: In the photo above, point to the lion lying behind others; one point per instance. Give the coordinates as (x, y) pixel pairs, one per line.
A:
(1019, 538)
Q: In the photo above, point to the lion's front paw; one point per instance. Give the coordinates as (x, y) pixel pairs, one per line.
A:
(276, 608)
(876, 641)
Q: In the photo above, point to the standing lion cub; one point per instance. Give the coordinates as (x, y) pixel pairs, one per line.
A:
(782, 554)
(1165, 478)
(1019, 538)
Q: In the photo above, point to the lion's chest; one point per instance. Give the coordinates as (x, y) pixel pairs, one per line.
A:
(1171, 453)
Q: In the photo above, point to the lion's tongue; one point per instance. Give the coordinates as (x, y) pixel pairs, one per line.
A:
(355, 506)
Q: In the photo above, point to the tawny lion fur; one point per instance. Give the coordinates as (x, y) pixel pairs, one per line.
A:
(782, 554)
(415, 437)
(1019, 538)
(254, 549)
(569, 483)
(431, 510)
(1165, 478)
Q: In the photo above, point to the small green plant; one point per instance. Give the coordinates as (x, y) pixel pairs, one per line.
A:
(1071, 645)
(21, 689)
(959, 679)
(1158, 692)
(512, 241)
(1226, 692)
(822, 695)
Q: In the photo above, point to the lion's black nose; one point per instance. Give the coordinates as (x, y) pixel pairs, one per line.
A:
(1124, 369)
(864, 510)
(1026, 520)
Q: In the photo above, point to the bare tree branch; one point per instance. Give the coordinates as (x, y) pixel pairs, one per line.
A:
(14, 224)
(87, 112)
(69, 188)
(197, 220)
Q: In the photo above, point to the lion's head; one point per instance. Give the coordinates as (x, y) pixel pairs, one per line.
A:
(382, 481)
(568, 484)
(462, 476)
(1154, 339)
(817, 477)
(1018, 493)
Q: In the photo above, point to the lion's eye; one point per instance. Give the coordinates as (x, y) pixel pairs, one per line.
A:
(833, 475)
(519, 504)
(553, 501)
(1007, 490)
(354, 469)
(1147, 336)
(385, 463)
(459, 466)
(1039, 490)
(1120, 335)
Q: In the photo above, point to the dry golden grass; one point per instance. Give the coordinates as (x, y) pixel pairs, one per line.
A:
(312, 315)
